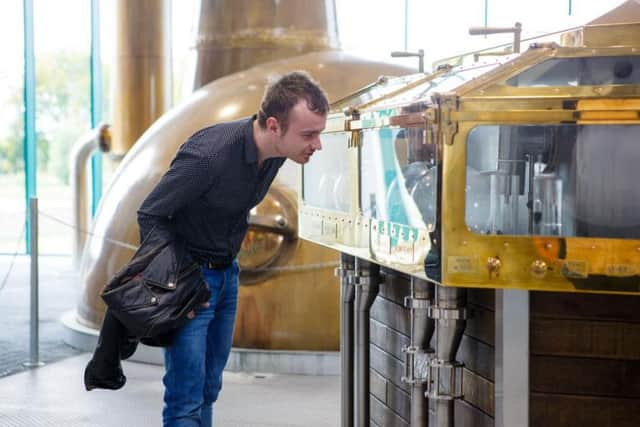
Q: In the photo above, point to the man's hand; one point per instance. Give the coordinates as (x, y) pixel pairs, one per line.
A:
(192, 313)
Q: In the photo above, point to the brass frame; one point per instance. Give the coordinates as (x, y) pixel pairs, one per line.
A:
(494, 261)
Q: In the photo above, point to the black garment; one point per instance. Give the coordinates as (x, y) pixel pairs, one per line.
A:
(206, 195)
(153, 293)
(148, 300)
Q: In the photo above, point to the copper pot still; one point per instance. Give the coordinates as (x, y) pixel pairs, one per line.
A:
(289, 297)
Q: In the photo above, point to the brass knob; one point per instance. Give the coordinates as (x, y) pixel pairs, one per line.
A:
(493, 266)
(538, 269)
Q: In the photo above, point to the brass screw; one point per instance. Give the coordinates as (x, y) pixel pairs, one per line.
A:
(538, 269)
(493, 265)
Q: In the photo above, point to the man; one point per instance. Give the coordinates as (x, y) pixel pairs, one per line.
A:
(216, 178)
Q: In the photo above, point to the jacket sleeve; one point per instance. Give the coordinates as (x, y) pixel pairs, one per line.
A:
(189, 176)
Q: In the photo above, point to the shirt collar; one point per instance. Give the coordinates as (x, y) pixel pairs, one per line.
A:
(250, 148)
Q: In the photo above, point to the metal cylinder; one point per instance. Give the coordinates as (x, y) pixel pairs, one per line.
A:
(367, 283)
(80, 153)
(345, 272)
(422, 328)
(34, 353)
(449, 331)
(236, 34)
(141, 88)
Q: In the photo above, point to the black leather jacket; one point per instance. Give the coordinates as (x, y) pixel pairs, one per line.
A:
(153, 293)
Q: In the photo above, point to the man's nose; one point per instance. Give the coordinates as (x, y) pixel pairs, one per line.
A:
(317, 144)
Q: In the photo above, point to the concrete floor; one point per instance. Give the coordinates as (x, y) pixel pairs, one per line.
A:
(54, 396)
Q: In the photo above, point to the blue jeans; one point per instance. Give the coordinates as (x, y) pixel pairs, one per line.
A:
(195, 360)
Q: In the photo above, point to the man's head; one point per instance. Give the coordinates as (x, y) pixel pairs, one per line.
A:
(294, 110)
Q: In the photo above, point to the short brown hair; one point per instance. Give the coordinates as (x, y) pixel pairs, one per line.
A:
(285, 92)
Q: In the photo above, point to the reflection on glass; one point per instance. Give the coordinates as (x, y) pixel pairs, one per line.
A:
(597, 70)
(547, 204)
(444, 83)
(556, 180)
(326, 176)
(383, 86)
(398, 177)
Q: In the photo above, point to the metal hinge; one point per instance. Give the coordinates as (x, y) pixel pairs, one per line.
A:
(354, 116)
(432, 123)
(447, 127)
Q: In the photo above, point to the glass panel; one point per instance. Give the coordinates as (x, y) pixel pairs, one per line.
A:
(444, 83)
(326, 176)
(597, 70)
(376, 90)
(559, 180)
(63, 111)
(12, 180)
(398, 177)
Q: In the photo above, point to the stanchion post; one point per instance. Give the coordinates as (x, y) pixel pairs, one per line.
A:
(34, 359)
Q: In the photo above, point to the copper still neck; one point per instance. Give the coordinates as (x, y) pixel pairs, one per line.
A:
(234, 35)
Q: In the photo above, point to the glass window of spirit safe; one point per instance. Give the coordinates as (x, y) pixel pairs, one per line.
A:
(591, 71)
(558, 180)
(398, 177)
(325, 179)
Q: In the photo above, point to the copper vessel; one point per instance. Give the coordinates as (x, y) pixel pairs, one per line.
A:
(290, 310)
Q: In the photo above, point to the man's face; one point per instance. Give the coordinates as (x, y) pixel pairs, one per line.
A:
(302, 137)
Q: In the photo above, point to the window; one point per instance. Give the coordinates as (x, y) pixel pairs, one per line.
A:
(558, 180)
(398, 177)
(597, 70)
(326, 182)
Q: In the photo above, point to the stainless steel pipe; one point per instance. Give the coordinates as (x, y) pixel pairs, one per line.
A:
(367, 283)
(422, 328)
(450, 314)
(345, 272)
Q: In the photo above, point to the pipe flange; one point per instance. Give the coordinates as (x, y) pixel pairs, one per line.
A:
(436, 312)
(362, 280)
(417, 303)
(342, 272)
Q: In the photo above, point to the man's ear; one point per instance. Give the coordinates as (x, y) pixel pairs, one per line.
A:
(272, 124)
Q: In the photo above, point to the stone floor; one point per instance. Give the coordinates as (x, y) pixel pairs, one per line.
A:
(53, 395)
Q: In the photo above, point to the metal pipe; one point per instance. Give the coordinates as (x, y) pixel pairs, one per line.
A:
(80, 154)
(142, 69)
(516, 30)
(421, 331)
(34, 353)
(419, 55)
(450, 315)
(345, 272)
(367, 283)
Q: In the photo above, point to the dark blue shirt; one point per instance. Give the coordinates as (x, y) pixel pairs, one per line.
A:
(209, 189)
